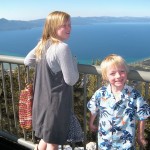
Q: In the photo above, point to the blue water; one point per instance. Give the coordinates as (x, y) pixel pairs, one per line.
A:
(87, 42)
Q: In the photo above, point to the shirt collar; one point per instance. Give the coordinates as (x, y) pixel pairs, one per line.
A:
(125, 90)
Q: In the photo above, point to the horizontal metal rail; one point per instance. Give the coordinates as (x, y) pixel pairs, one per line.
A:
(86, 69)
(7, 67)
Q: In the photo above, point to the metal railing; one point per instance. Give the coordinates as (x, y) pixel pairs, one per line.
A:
(11, 82)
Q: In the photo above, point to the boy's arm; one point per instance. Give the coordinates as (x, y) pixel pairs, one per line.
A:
(141, 139)
(92, 127)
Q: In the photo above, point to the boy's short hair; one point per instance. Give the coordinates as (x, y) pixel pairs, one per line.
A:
(112, 60)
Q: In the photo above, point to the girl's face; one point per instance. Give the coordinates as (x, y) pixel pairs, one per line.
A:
(117, 77)
(63, 32)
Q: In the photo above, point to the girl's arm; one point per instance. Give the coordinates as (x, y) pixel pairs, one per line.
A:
(30, 59)
(141, 139)
(67, 64)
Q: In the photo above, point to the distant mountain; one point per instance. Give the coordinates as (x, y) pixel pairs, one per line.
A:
(21, 25)
(18, 24)
(105, 19)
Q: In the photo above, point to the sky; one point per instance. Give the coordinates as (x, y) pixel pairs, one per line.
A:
(39, 9)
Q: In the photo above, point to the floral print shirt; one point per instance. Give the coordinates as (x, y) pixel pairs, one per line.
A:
(117, 120)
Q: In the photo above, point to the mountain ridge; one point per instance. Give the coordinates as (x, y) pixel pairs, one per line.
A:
(21, 25)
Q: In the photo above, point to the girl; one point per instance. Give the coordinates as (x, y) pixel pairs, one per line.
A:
(56, 73)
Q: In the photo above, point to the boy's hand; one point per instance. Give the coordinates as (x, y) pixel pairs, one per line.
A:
(93, 128)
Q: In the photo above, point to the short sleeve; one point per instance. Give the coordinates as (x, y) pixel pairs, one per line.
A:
(94, 103)
(143, 109)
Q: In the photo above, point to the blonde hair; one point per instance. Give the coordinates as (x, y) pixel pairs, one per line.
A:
(112, 60)
(53, 21)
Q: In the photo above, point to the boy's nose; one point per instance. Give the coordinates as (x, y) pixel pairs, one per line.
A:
(117, 74)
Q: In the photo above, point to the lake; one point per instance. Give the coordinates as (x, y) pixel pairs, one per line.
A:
(87, 42)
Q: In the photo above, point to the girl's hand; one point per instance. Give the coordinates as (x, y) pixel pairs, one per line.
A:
(142, 142)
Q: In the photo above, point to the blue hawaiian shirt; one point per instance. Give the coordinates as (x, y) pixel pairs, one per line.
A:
(117, 120)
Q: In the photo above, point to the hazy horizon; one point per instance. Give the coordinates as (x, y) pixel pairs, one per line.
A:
(36, 9)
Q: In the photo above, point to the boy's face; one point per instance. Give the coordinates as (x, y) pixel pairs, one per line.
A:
(117, 76)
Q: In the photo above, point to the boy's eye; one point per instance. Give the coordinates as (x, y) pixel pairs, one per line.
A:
(112, 73)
